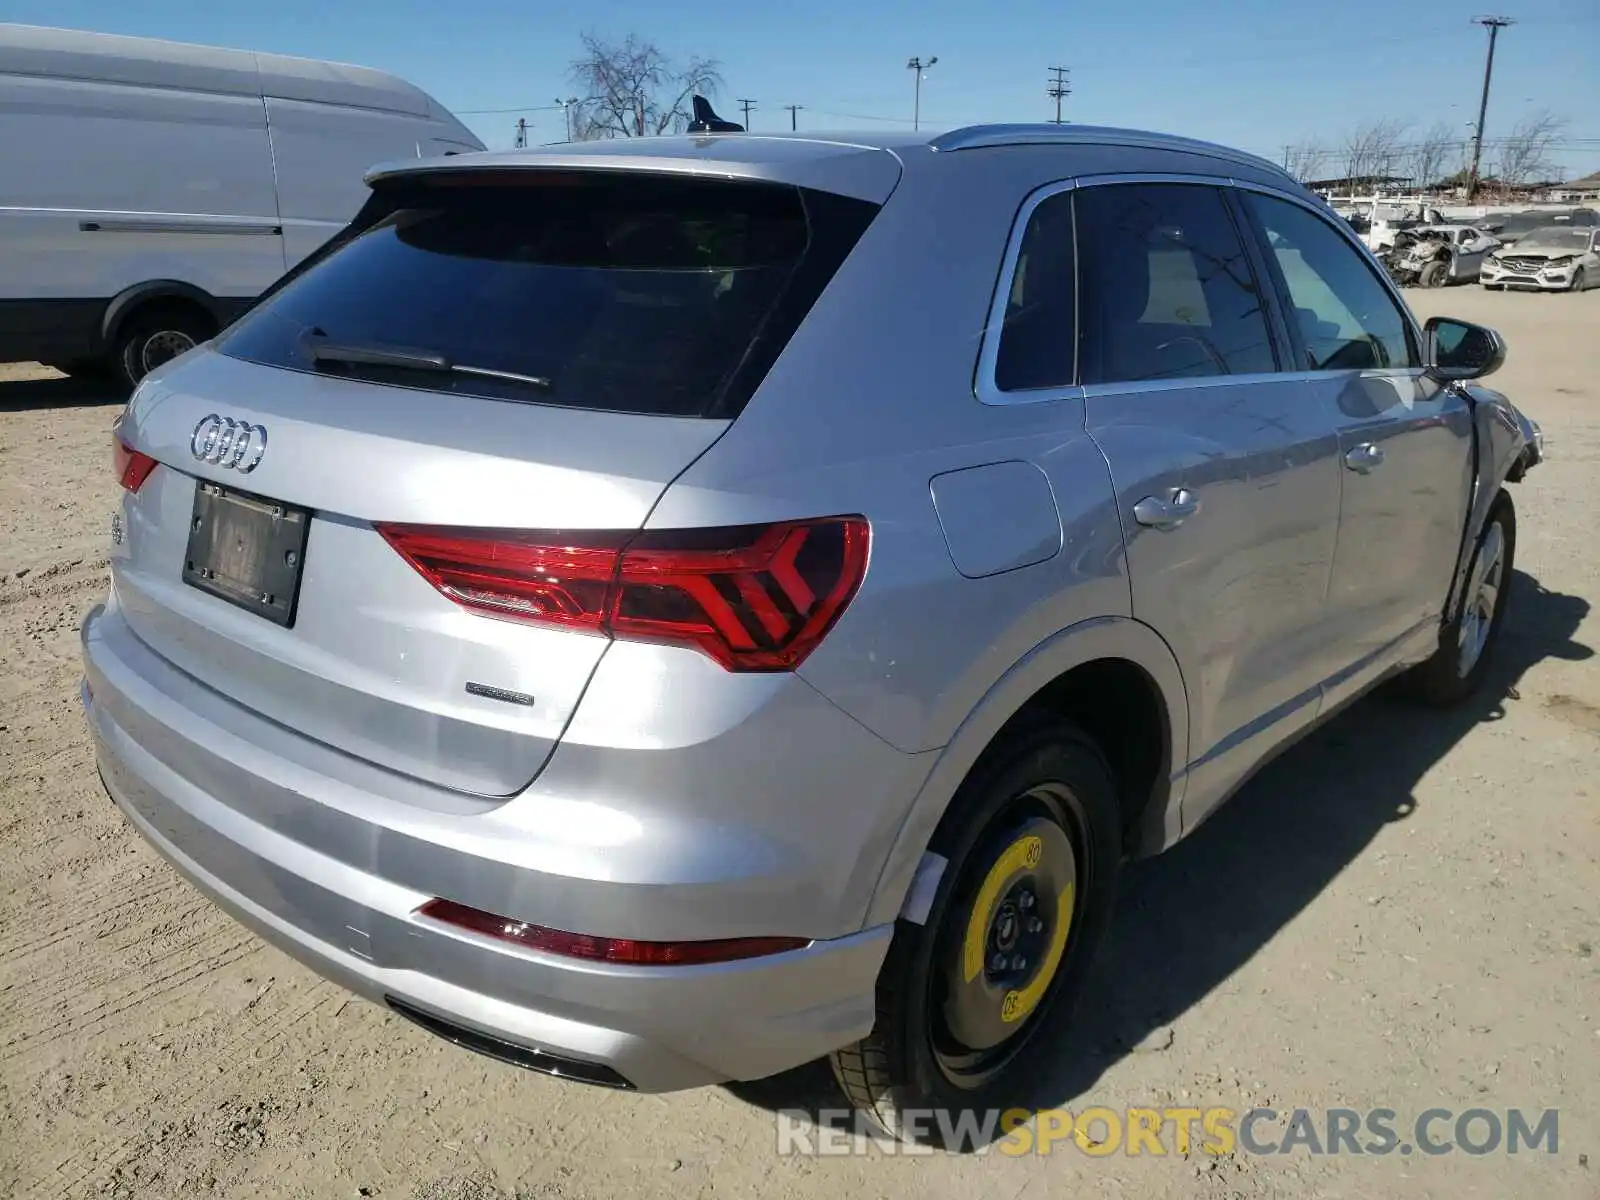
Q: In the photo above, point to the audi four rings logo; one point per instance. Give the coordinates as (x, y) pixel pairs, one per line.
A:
(229, 443)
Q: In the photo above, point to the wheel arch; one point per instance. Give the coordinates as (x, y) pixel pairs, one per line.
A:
(155, 292)
(1056, 676)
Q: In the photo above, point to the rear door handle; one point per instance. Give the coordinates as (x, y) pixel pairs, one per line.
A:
(1364, 457)
(1167, 512)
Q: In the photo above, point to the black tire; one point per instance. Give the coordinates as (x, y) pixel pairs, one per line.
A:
(1451, 675)
(153, 336)
(1045, 791)
(1577, 280)
(1433, 274)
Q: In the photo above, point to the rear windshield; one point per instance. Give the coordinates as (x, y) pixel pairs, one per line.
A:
(621, 292)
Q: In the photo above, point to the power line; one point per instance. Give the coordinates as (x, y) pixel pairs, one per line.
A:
(747, 105)
(498, 112)
(850, 116)
(1059, 89)
(794, 121)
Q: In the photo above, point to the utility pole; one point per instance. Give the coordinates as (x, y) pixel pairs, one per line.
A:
(747, 105)
(794, 122)
(917, 65)
(1059, 88)
(1494, 25)
(522, 133)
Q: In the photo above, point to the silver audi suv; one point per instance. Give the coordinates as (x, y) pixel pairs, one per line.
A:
(663, 613)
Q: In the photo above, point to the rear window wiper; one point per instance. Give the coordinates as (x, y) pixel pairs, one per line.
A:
(404, 359)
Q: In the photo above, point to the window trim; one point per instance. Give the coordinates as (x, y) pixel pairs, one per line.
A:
(989, 392)
(1285, 302)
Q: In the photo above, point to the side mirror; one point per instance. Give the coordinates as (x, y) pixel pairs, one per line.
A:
(1457, 350)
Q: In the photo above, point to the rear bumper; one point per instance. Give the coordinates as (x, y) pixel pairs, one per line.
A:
(280, 860)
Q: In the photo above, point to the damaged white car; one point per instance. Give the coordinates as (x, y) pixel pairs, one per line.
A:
(1556, 258)
(1437, 255)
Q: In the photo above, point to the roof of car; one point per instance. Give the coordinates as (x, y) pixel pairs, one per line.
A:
(758, 147)
(843, 161)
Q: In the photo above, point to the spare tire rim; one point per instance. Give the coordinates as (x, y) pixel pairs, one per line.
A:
(1006, 937)
(1482, 598)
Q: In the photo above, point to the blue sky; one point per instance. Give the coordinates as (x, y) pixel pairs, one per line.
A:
(1251, 73)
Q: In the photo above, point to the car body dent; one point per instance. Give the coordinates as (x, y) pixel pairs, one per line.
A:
(1503, 436)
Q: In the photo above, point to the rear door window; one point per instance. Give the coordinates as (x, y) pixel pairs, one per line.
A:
(1166, 289)
(619, 291)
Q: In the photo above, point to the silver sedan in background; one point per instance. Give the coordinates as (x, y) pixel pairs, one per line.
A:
(1557, 258)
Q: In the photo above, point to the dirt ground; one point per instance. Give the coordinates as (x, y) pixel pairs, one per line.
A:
(1401, 912)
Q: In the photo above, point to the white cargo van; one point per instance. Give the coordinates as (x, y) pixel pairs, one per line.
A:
(150, 190)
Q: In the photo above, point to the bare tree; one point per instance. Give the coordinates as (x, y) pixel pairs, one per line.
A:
(631, 89)
(1372, 148)
(1525, 156)
(1427, 157)
(1306, 159)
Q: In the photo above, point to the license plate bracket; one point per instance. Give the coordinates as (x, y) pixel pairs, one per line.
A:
(247, 549)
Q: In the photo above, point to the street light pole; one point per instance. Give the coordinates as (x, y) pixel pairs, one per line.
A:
(917, 65)
(566, 111)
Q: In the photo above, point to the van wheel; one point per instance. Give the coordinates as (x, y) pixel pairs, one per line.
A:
(968, 1002)
(1467, 641)
(1433, 274)
(156, 336)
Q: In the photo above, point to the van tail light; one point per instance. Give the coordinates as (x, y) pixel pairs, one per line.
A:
(752, 597)
(133, 466)
(601, 949)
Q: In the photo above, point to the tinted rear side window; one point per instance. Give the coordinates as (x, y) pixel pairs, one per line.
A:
(627, 292)
(1036, 334)
(1165, 288)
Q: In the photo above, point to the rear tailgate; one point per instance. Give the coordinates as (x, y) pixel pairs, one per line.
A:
(377, 662)
(572, 341)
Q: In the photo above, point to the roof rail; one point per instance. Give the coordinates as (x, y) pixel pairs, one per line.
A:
(981, 137)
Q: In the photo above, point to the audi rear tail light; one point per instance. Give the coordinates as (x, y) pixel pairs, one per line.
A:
(133, 466)
(752, 597)
(601, 949)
